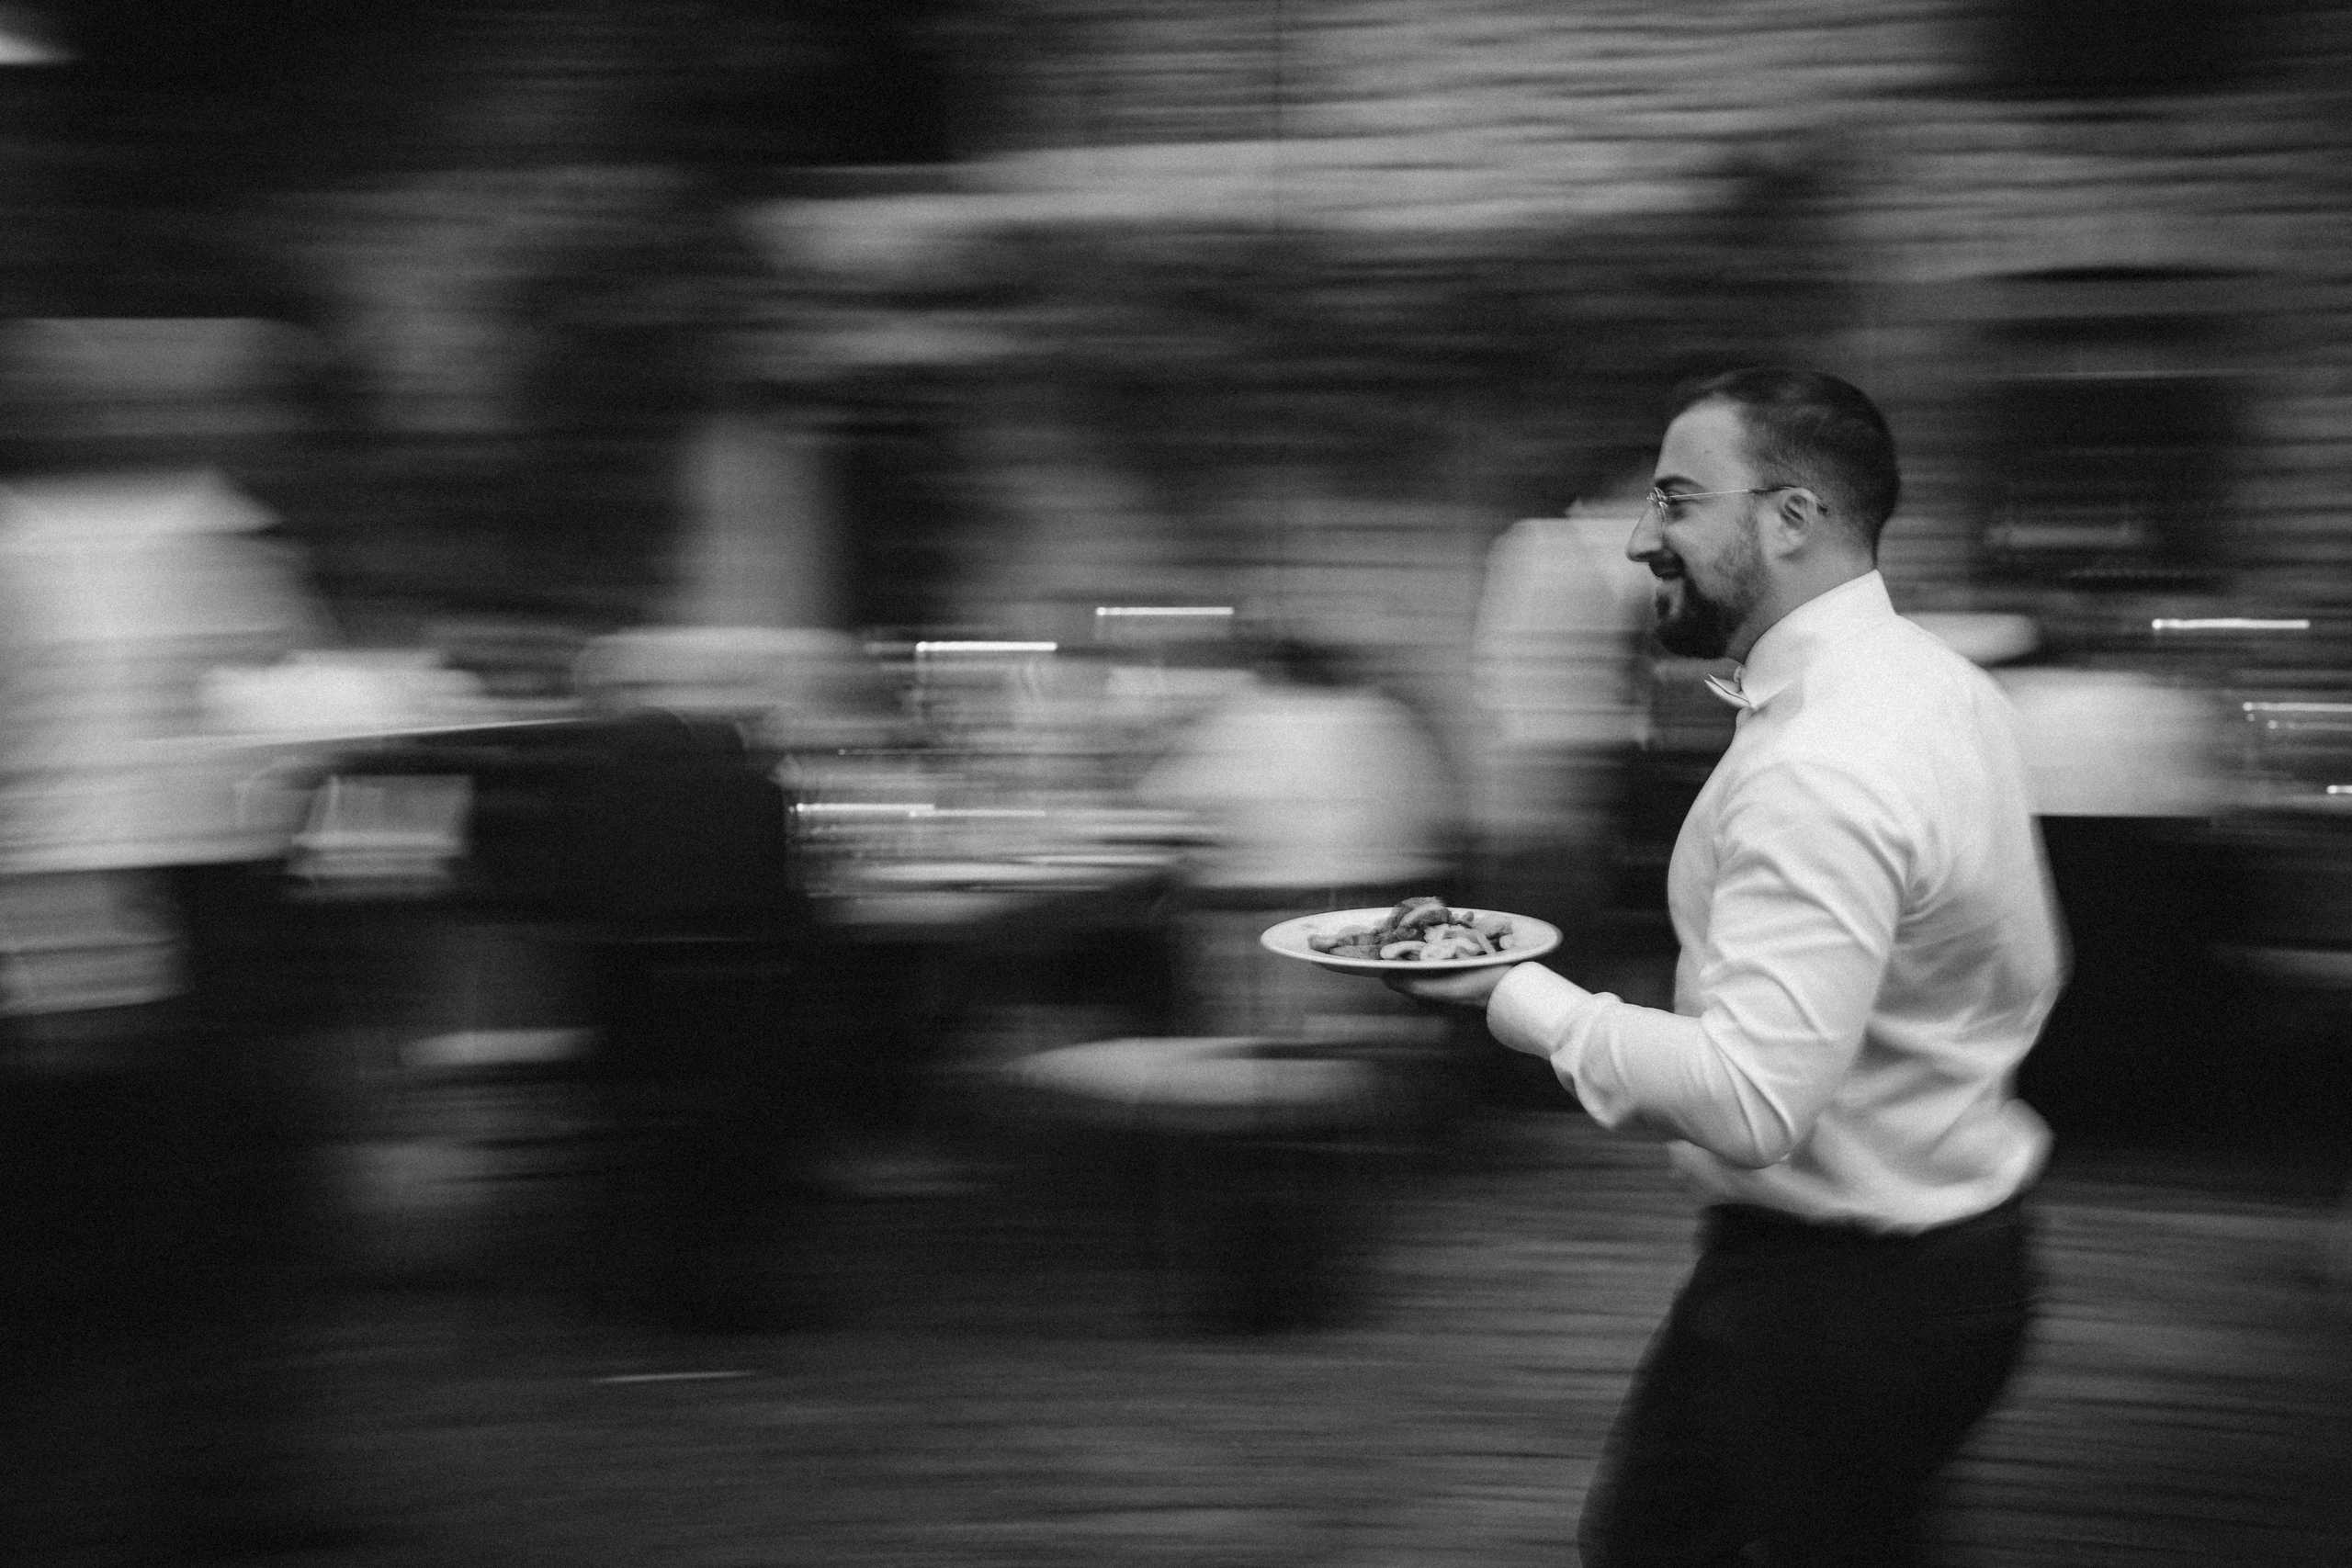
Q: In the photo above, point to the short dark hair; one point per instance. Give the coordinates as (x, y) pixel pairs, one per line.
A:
(1812, 428)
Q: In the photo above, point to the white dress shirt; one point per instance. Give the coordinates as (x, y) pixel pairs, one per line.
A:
(1869, 943)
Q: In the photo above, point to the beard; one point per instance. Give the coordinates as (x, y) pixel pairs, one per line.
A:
(1696, 624)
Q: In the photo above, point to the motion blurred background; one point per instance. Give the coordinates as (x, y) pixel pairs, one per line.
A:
(975, 389)
(990, 312)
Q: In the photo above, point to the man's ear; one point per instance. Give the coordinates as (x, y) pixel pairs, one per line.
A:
(1797, 517)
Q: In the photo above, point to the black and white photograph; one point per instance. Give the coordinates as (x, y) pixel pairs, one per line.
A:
(1176, 783)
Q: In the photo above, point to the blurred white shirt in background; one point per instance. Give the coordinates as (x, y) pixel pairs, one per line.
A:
(1559, 625)
(1309, 787)
(122, 595)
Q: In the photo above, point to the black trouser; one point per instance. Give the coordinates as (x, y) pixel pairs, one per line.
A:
(1805, 1389)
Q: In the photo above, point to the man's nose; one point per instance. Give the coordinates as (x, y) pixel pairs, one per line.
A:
(1647, 538)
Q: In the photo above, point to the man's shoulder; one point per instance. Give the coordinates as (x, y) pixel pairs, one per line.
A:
(1888, 703)
(1899, 667)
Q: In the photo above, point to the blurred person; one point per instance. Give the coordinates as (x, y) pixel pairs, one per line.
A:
(1555, 652)
(1316, 791)
(1869, 946)
(154, 1133)
(711, 1057)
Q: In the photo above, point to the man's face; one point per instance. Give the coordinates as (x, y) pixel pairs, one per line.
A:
(1704, 554)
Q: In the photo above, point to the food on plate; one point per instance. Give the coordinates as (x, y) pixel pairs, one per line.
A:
(1421, 929)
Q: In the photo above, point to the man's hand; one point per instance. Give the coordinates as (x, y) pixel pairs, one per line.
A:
(1461, 988)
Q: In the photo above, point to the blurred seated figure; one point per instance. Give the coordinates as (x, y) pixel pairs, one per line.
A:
(1316, 791)
(709, 1053)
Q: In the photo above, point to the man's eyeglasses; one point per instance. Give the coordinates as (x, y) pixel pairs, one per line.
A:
(1662, 504)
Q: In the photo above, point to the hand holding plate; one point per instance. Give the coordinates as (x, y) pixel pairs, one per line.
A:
(1458, 988)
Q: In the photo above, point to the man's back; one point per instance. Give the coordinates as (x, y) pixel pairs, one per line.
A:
(1874, 804)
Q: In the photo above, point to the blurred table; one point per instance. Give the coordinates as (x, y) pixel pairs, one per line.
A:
(998, 904)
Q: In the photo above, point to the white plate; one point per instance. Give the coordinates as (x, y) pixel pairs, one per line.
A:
(1531, 938)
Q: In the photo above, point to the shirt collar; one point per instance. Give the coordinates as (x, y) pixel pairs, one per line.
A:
(1790, 643)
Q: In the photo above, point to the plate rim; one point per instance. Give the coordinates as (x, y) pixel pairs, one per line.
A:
(1549, 940)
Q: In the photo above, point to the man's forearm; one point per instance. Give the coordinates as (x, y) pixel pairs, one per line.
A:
(1645, 1070)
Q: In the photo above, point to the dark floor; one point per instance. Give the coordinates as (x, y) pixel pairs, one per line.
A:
(999, 1383)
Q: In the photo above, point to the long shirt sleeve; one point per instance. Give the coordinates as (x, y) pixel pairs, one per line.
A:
(1800, 920)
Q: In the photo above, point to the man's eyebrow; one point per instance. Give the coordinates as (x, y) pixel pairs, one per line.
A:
(1666, 481)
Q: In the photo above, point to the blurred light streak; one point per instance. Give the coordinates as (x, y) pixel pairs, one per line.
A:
(1143, 612)
(846, 808)
(927, 649)
(2301, 714)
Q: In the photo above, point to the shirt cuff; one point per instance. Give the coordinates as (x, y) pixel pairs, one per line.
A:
(1539, 1011)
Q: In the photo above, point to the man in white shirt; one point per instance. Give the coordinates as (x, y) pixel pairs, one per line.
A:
(1868, 947)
